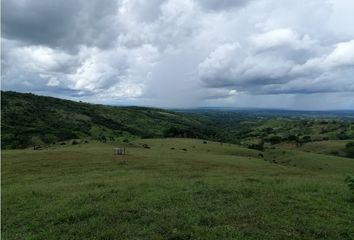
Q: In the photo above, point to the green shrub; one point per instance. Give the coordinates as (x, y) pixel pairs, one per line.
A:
(275, 140)
(306, 139)
(343, 136)
(350, 182)
(49, 138)
(293, 138)
(349, 149)
(258, 146)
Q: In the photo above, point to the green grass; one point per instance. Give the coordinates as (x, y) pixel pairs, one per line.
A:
(331, 147)
(207, 191)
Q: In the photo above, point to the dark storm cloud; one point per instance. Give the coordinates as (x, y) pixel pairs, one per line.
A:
(64, 24)
(217, 5)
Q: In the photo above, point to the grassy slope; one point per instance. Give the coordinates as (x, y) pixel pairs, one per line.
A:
(210, 191)
(250, 127)
(331, 147)
(28, 119)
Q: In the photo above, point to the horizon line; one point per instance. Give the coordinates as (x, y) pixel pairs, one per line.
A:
(192, 108)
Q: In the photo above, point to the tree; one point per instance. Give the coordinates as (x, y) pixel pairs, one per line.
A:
(293, 138)
(306, 139)
(349, 149)
(259, 146)
(350, 181)
(35, 140)
(49, 138)
(275, 140)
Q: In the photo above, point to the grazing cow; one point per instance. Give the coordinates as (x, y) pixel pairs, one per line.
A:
(37, 147)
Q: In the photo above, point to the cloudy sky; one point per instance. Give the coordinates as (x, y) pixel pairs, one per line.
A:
(182, 53)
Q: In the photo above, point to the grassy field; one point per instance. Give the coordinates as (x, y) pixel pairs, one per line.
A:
(331, 147)
(177, 189)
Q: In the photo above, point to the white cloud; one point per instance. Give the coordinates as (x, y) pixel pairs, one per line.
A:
(280, 38)
(40, 59)
(179, 52)
(342, 55)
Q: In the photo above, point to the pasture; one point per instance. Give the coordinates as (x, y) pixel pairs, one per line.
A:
(176, 189)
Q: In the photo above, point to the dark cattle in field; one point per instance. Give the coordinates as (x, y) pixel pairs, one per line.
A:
(146, 146)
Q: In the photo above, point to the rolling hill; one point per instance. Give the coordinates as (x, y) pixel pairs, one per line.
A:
(284, 180)
(28, 119)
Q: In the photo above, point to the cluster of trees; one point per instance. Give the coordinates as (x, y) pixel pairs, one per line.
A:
(277, 139)
(291, 138)
(191, 132)
(349, 149)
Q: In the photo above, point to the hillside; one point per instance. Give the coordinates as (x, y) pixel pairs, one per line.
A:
(28, 119)
(170, 185)
(247, 126)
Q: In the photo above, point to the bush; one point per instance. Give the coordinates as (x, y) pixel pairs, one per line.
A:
(293, 138)
(259, 146)
(275, 140)
(36, 140)
(343, 136)
(350, 182)
(349, 149)
(65, 134)
(49, 138)
(306, 139)
(191, 132)
(102, 138)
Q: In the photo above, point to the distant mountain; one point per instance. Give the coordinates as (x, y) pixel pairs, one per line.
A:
(28, 119)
